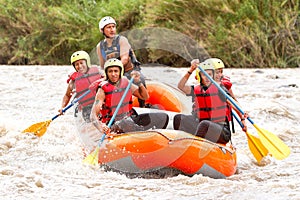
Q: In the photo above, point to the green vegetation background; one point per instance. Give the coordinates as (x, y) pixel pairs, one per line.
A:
(244, 33)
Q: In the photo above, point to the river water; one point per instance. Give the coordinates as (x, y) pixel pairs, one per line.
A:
(50, 167)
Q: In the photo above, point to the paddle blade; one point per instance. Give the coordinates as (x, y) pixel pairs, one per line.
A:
(256, 147)
(92, 158)
(275, 146)
(38, 129)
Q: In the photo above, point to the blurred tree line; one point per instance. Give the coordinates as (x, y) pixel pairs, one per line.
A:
(243, 33)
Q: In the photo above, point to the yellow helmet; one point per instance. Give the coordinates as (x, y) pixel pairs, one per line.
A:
(216, 62)
(113, 62)
(206, 66)
(81, 55)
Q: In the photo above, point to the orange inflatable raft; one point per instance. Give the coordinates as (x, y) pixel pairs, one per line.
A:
(165, 97)
(158, 150)
(154, 150)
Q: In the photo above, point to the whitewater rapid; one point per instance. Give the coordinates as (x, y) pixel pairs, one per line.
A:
(51, 167)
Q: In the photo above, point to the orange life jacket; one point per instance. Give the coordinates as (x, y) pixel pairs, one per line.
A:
(209, 106)
(113, 95)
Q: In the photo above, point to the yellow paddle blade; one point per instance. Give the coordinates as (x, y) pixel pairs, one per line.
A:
(275, 146)
(92, 158)
(256, 147)
(38, 129)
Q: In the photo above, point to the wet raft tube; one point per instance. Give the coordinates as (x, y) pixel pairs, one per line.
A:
(142, 152)
(165, 97)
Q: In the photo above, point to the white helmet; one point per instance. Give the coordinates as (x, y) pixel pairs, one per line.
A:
(105, 21)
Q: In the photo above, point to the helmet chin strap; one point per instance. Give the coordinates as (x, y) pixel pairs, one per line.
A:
(88, 68)
(114, 83)
(108, 37)
(75, 68)
(105, 35)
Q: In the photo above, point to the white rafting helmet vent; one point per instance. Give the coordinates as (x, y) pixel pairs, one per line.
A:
(105, 21)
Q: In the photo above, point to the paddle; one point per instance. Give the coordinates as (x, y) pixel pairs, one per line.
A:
(40, 128)
(92, 158)
(256, 147)
(275, 146)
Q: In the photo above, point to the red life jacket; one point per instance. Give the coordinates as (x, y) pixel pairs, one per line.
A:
(113, 95)
(82, 83)
(209, 106)
(225, 80)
